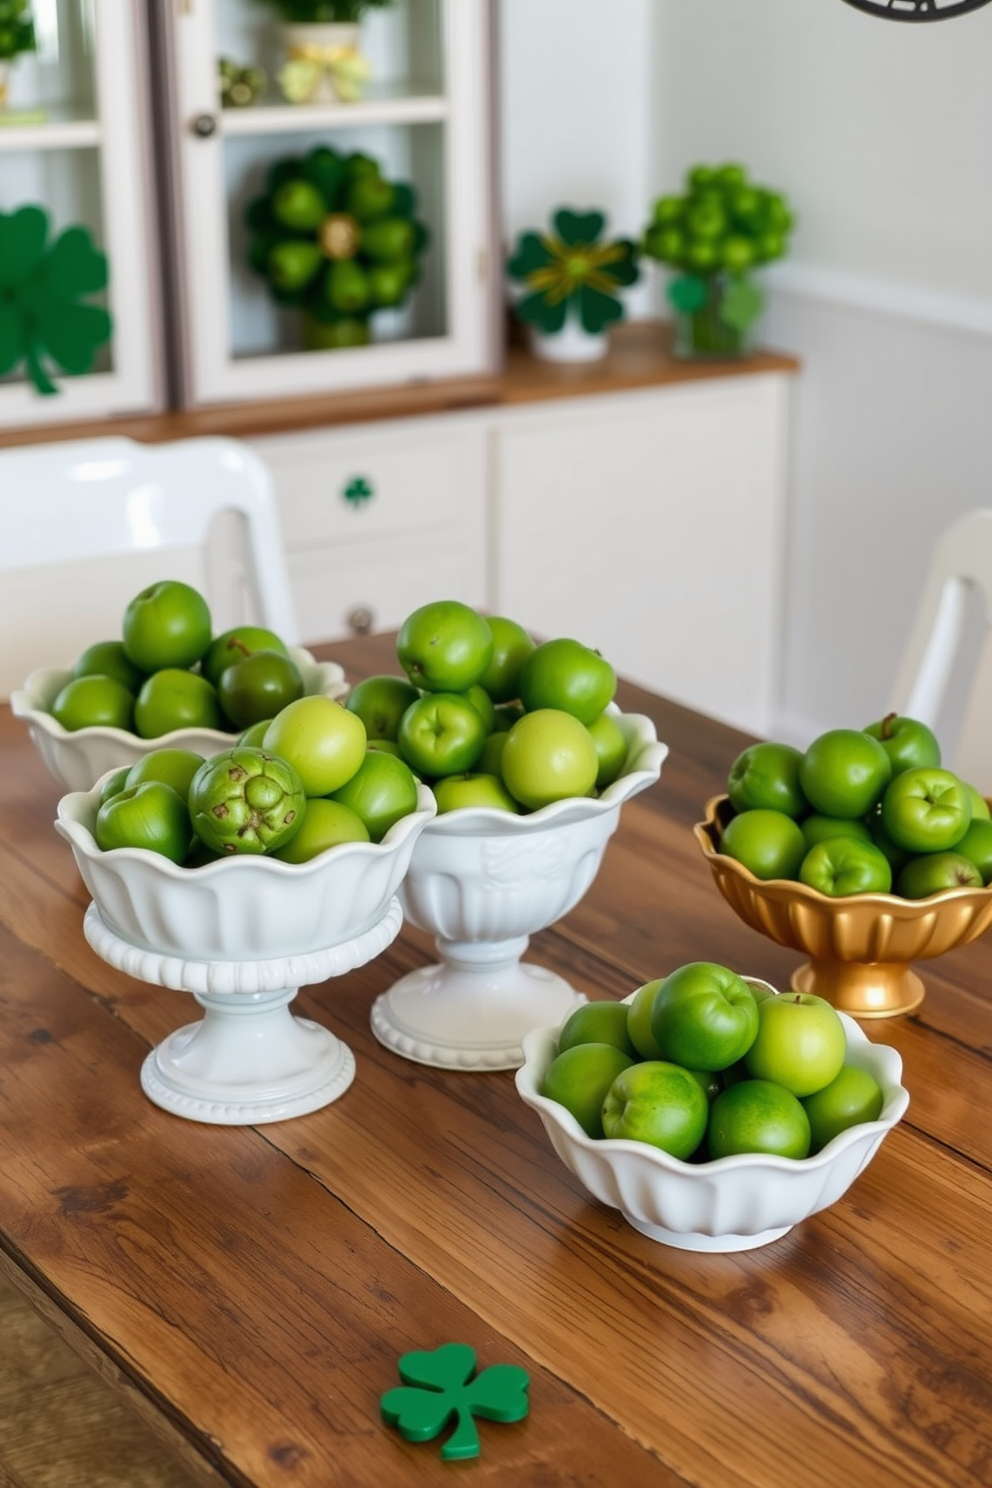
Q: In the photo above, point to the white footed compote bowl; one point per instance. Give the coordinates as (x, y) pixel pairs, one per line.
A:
(483, 881)
(78, 758)
(242, 935)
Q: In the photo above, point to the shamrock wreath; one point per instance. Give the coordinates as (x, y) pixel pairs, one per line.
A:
(40, 292)
(572, 267)
(333, 237)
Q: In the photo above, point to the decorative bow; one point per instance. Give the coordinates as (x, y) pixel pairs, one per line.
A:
(308, 64)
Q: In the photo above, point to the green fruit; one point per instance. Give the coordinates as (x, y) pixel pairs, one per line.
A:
(381, 792)
(259, 687)
(511, 647)
(390, 239)
(659, 1103)
(175, 767)
(380, 703)
(151, 816)
(346, 286)
(246, 801)
(326, 824)
(569, 676)
(94, 702)
(548, 756)
(580, 1078)
(109, 659)
(292, 265)
(852, 1097)
(175, 699)
(768, 843)
(299, 205)
(758, 1116)
(388, 283)
(444, 646)
(369, 196)
(234, 645)
(611, 747)
(166, 625)
(597, 1022)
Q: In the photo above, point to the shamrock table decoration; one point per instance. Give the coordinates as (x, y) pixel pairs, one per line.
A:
(440, 1385)
(571, 275)
(334, 238)
(41, 289)
(714, 235)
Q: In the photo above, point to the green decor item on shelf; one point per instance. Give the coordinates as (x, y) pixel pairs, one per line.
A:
(439, 1385)
(336, 240)
(239, 84)
(42, 288)
(715, 235)
(16, 29)
(324, 12)
(571, 269)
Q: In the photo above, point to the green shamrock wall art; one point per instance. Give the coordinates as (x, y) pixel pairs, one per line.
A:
(439, 1385)
(571, 274)
(336, 240)
(43, 317)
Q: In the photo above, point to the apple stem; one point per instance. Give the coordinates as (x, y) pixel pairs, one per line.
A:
(798, 997)
(887, 721)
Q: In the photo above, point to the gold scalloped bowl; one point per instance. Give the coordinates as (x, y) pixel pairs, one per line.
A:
(860, 947)
(78, 758)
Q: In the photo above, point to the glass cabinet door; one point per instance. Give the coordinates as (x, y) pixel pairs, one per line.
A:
(295, 276)
(74, 128)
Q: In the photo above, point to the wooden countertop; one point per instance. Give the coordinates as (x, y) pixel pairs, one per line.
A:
(639, 357)
(251, 1290)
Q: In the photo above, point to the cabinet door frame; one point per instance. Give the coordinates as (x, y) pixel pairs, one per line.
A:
(207, 373)
(121, 132)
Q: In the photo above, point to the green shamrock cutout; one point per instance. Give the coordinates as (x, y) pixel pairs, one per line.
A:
(572, 267)
(357, 491)
(40, 292)
(741, 304)
(439, 1385)
(687, 293)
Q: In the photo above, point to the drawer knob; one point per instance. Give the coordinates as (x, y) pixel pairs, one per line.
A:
(204, 125)
(361, 620)
(358, 490)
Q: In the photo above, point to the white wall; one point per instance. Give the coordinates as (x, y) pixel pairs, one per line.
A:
(881, 134)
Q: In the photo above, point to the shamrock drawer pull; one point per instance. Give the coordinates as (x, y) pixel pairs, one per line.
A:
(358, 490)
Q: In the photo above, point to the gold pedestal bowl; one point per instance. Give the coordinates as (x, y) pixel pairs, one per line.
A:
(860, 947)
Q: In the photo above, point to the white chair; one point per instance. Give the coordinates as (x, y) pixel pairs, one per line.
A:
(84, 526)
(945, 677)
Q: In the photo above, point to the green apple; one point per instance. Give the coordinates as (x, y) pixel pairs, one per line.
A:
(766, 776)
(254, 735)
(325, 824)
(817, 828)
(839, 866)
(611, 747)
(458, 792)
(800, 1043)
(926, 810)
(258, 687)
(511, 647)
(639, 1011)
(323, 742)
(298, 204)
(442, 734)
(935, 873)
(234, 645)
(976, 846)
(175, 767)
(852, 1097)
(491, 758)
(579, 1080)
(389, 239)
(658, 1103)
(844, 772)
(380, 703)
(151, 816)
(548, 756)
(906, 741)
(980, 810)
(246, 801)
(94, 702)
(166, 625)
(381, 792)
(768, 843)
(444, 646)
(757, 1116)
(113, 784)
(175, 699)
(109, 659)
(598, 1022)
(483, 705)
(566, 675)
(704, 1016)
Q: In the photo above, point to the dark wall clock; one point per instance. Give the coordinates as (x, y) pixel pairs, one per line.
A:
(917, 10)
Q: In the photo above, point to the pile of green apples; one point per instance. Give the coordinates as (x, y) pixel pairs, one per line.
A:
(703, 1064)
(169, 671)
(292, 787)
(487, 717)
(867, 811)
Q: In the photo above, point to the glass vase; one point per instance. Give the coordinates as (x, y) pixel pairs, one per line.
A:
(706, 332)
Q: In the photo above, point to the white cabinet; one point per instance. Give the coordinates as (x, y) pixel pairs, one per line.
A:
(423, 119)
(380, 520)
(74, 141)
(650, 525)
(646, 523)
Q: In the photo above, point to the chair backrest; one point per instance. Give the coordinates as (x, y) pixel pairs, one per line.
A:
(84, 526)
(945, 678)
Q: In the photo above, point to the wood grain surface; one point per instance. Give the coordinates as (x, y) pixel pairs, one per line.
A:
(249, 1291)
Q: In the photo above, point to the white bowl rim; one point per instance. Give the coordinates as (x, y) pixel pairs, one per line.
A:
(70, 824)
(24, 704)
(894, 1107)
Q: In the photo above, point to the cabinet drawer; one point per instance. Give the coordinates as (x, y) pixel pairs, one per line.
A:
(375, 585)
(382, 480)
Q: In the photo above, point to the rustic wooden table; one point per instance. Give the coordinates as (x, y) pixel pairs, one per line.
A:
(251, 1290)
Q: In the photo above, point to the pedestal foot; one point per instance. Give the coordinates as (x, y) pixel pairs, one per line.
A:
(871, 989)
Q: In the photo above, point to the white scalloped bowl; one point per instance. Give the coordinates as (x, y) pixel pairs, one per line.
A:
(480, 874)
(733, 1203)
(77, 759)
(247, 908)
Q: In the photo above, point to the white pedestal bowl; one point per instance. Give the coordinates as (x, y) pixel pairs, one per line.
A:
(483, 881)
(242, 935)
(76, 759)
